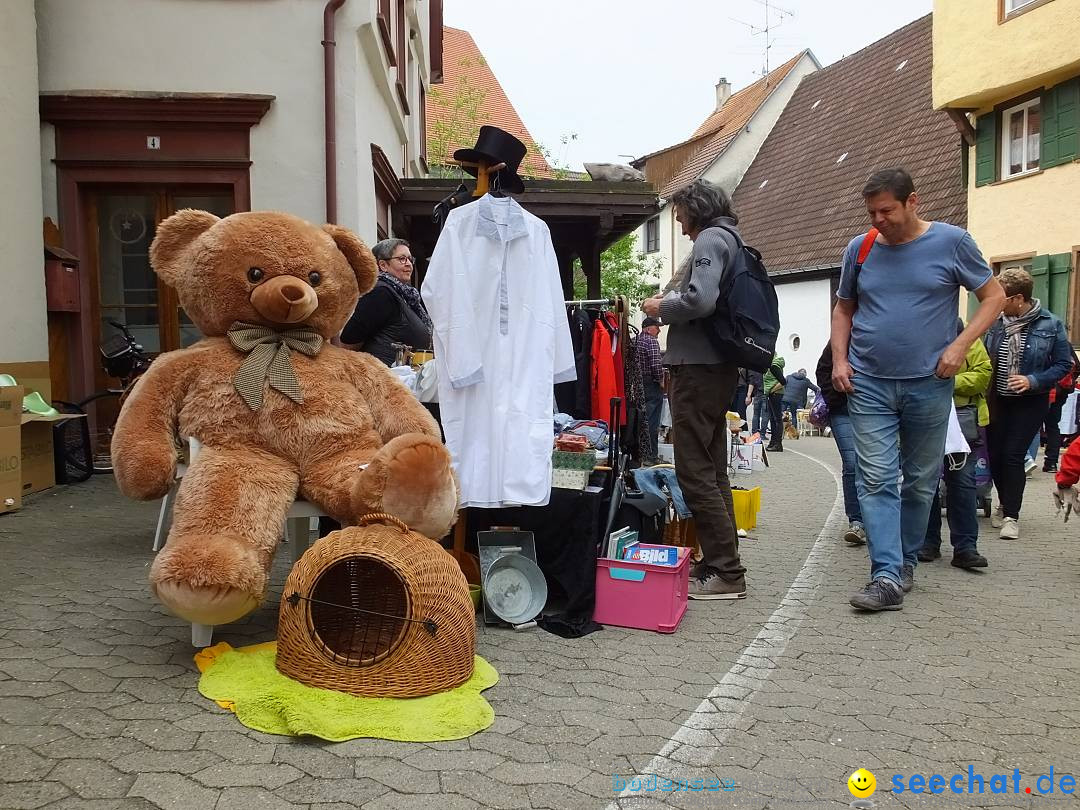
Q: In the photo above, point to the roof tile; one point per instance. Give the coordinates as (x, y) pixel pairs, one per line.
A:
(681, 164)
(810, 208)
(465, 69)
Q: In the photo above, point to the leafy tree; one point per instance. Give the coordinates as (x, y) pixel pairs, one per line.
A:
(624, 270)
(458, 129)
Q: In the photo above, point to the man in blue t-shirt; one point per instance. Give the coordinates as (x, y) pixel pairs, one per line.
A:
(895, 352)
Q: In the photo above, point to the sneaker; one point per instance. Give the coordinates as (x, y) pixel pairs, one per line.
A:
(774, 448)
(997, 517)
(881, 594)
(928, 554)
(1049, 467)
(907, 577)
(742, 534)
(714, 586)
(1010, 529)
(1029, 466)
(856, 534)
(968, 558)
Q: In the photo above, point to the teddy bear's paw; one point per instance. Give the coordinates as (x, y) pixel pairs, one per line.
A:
(209, 578)
(417, 485)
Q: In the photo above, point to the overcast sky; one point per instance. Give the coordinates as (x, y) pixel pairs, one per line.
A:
(633, 76)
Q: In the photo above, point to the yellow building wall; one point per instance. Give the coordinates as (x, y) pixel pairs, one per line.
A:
(979, 62)
(1030, 214)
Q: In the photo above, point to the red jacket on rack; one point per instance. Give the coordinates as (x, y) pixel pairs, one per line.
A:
(603, 372)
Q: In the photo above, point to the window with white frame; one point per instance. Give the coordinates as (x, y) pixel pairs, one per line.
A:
(1016, 5)
(652, 235)
(1021, 130)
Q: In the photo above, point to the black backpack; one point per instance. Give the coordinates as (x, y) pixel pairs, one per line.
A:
(746, 323)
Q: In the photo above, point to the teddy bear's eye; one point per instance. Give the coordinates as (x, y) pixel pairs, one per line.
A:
(255, 274)
(314, 277)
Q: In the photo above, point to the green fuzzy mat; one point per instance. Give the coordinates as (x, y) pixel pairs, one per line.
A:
(246, 682)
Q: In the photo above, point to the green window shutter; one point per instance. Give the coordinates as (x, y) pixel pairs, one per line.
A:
(1060, 267)
(1067, 99)
(1040, 271)
(985, 149)
(1060, 119)
(1048, 143)
(973, 304)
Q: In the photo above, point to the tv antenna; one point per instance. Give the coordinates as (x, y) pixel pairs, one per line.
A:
(772, 22)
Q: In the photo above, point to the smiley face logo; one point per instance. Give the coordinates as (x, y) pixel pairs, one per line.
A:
(862, 784)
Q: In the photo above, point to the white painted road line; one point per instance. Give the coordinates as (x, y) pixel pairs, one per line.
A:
(705, 731)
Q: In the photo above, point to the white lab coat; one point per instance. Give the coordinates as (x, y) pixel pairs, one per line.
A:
(502, 341)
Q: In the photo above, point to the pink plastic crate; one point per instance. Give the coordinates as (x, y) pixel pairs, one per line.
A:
(640, 595)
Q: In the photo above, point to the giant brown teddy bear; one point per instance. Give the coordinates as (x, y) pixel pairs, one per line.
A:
(276, 408)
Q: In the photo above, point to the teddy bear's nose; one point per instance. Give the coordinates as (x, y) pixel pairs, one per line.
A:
(284, 299)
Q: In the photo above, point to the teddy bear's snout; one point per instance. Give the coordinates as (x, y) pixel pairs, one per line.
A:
(284, 299)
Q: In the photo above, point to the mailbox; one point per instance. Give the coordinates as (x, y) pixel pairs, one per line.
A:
(62, 287)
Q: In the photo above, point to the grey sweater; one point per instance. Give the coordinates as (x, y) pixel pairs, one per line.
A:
(695, 298)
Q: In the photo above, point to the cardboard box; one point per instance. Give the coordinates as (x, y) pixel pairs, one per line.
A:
(10, 448)
(38, 463)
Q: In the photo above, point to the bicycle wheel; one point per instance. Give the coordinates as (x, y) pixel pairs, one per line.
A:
(103, 407)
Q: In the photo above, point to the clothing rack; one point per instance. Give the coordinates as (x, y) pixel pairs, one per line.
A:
(591, 302)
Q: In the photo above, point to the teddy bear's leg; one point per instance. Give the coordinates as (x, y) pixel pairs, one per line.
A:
(410, 477)
(226, 527)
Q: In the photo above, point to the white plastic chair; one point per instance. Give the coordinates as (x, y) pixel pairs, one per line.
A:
(297, 531)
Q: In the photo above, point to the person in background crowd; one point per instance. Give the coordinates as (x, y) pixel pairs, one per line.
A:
(773, 382)
(1068, 475)
(702, 384)
(895, 352)
(794, 398)
(742, 394)
(961, 501)
(760, 406)
(840, 424)
(393, 311)
(648, 357)
(1051, 425)
(1030, 353)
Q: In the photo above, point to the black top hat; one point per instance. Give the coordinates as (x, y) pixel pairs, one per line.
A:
(494, 145)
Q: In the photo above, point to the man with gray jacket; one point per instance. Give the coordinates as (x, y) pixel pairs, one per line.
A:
(702, 385)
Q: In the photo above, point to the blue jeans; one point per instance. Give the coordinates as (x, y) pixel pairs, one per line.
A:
(761, 415)
(653, 481)
(791, 409)
(898, 424)
(845, 443)
(962, 507)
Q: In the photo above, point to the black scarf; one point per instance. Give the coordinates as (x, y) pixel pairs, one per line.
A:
(410, 294)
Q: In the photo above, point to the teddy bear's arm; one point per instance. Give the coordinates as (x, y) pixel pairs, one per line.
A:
(393, 407)
(143, 443)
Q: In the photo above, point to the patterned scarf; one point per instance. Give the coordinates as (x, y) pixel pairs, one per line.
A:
(410, 294)
(268, 359)
(1014, 331)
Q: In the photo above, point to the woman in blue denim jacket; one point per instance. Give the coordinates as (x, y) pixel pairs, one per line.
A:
(1030, 353)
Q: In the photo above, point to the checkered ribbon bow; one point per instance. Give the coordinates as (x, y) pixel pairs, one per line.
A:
(268, 360)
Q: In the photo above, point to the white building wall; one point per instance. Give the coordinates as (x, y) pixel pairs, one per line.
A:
(805, 310)
(23, 331)
(247, 46)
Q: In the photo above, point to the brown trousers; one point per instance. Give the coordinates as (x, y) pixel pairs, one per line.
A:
(699, 398)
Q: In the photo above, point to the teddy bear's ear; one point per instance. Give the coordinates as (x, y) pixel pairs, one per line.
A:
(173, 237)
(358, 255)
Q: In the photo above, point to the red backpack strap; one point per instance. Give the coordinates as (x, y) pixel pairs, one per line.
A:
(867, 244)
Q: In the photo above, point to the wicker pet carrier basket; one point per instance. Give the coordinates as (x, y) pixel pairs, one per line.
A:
(379, 611)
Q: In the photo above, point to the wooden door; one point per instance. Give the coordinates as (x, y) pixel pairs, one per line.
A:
(121, 223)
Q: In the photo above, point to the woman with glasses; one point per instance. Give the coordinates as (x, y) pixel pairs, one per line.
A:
(392, 313)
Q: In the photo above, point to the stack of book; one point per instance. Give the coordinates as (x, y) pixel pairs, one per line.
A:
(618, 541)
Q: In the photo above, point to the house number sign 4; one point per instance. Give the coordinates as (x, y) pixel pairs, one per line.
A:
(153, 142)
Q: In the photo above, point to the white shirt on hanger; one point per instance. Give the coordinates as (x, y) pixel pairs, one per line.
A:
(502, 341)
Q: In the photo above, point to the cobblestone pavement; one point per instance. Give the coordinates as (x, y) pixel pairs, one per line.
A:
(784, 693)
